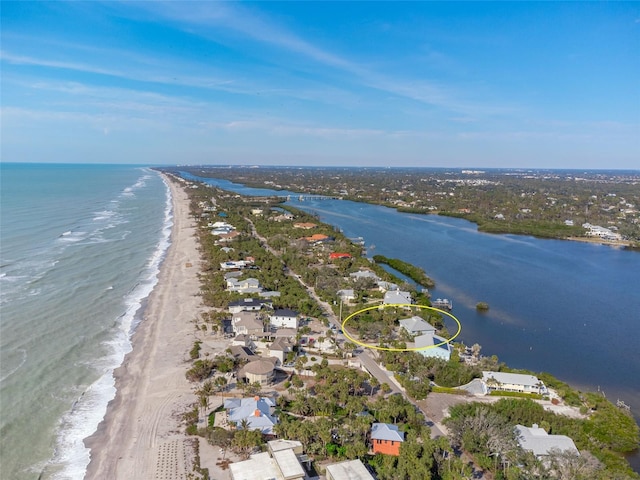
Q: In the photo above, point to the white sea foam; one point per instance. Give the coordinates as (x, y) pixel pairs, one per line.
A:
(89, 410)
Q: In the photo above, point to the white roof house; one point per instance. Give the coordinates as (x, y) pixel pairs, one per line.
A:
(538, 441)
(512, 382)
(279, 463)
(248, 285)
(255, 410)
(364, 274)
(349, 470)
(347, 294)
(417, 326)
(397, 297)
(386, 431)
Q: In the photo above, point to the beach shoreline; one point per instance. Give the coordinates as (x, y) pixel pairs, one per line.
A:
(141, 434)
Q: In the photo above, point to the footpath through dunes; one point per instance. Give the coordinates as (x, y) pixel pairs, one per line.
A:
(141, 436)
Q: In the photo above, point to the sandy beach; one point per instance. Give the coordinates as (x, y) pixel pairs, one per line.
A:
(141, 436)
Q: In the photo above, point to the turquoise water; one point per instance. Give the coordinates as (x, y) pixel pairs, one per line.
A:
(80, 251)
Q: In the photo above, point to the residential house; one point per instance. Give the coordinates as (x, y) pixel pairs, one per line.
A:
(349, 470)
(227, 237)
(281, 461)
(397, 297)
(538, 441)
(512, 382)
(347, 295)
(233, 265)
(318, 237)
(386, 438)
(431, 345)
(247, 305)
(243, 353)
(364, 274)
(246, 286)
(387, 286)
(261, 370)
(247, 323)
(257, 411)
(284, 318)
(417, 326)
(339, 255)
(305, 226)
(280, 348)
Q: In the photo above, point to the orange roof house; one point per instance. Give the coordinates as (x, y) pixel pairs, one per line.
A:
(336, 255)
(386, 439)
(316, 237)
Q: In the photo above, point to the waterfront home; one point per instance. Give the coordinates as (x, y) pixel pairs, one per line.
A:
(364, 274)
(247, 323)
(397, 297)
(538, 441)
(281, 461)
(246, 286)
(339, 255)
(386, 438)
(427, 343)
(257, 411)
(318, 238)
(247, 305)
(261, 370)
(387, 286)
(233, 265)
(417, 326)
(305, 226)
(512, 382)
(348, 470)
(284, 318)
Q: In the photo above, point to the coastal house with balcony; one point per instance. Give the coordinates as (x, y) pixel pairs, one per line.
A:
(284, 318)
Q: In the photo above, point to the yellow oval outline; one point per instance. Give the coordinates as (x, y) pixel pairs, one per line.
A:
(388, 349)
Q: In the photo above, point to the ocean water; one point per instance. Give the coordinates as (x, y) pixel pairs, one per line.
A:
(80, 250)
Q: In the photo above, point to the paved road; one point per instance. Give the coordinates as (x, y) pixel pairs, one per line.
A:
(365, 355)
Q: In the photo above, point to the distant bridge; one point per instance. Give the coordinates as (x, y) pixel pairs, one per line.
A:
(300, 198)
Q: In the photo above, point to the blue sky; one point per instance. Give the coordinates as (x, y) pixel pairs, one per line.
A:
(460, 84)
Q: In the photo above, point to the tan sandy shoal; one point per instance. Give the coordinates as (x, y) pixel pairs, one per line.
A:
(141, 436)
